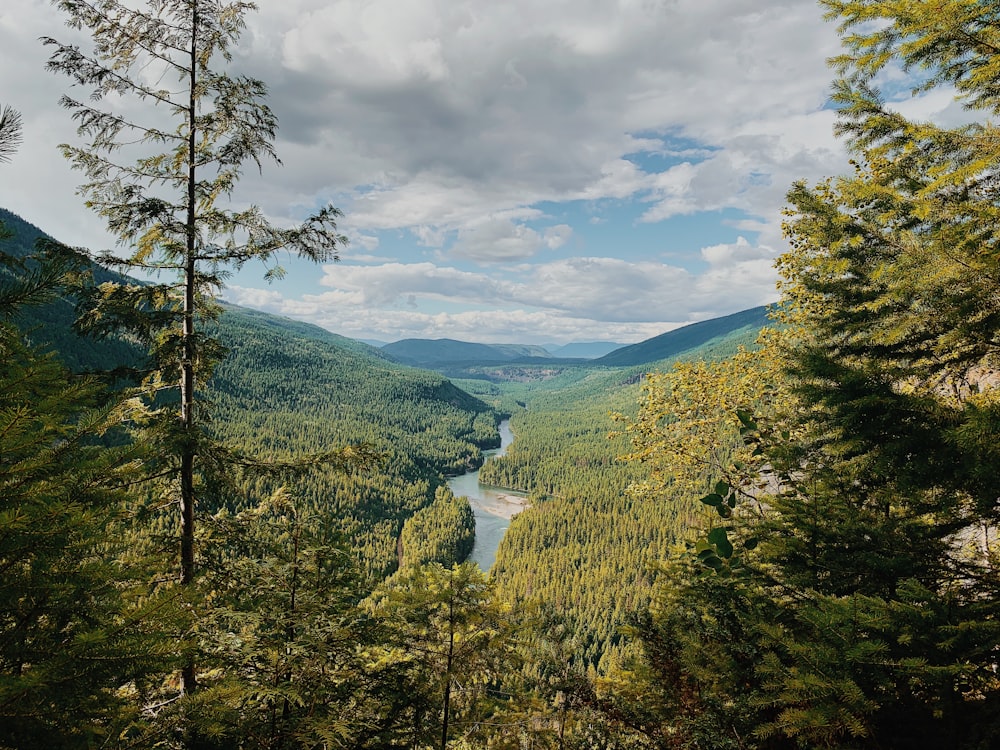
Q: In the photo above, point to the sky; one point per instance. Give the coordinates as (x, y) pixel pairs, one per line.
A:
(526, 171)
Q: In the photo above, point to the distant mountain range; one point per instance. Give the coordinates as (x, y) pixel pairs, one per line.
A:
(679, 340)
(584, 349)
(450, 356)
(430, 353)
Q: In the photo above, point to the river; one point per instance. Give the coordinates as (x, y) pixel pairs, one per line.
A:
(492, 507)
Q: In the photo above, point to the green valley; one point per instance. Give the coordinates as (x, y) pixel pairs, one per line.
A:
(222, 529)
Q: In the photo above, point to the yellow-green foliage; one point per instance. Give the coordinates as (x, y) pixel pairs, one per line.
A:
(587, 545)
(443, 532)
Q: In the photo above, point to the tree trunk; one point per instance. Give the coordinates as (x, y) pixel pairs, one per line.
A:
(447, 675)
(187, 378)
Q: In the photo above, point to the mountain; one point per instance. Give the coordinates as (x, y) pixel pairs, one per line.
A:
(463, 359)
(672, 343)
(287, 388)
(584, 349)
(436, 352)
(536, 364)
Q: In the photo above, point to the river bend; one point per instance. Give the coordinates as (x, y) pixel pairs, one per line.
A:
(492, 507)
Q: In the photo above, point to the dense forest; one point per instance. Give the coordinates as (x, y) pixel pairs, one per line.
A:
(588, 545)
(285, 389)
(221, 529)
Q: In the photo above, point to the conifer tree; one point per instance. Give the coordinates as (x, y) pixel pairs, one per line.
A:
(159, 172)
(10, 132)
(10, 138)
(283, 633)
(877, 563)
(78, 633)
(451, 634)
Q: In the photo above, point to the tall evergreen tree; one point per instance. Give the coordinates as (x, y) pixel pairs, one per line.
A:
(451, 634)
(190, 141)
(10, 139)
(283, 634)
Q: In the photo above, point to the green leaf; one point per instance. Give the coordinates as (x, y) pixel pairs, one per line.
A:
(722, 488)
(713, 499)
(715, 563)
(751, 543)
(718, 534)
(720, 538)
(746, 419)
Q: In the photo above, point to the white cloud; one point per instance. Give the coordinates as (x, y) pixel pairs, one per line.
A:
(562, 300)
(365, 241)
(741, 250)
(469, 133)
(462, 110)
(739, 274)
(499, 240)
(386, 284)
(557, 236)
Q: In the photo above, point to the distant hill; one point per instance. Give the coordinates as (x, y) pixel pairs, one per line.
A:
(436, 352)
(584, 349)
(672, 343)
(528, 364)
(50, 325)
(464, 359)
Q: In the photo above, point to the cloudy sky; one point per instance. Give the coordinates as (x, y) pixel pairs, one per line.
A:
(532, 171)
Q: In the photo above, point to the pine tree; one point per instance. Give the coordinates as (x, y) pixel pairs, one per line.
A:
(10, 132)
(283, 635)
(451, 635)
(78, 629)
(10, 139)
(191, 141)
(877, 562)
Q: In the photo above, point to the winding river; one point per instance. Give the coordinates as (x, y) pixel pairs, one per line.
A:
(492, 507)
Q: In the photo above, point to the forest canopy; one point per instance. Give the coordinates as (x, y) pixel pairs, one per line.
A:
(850, 600)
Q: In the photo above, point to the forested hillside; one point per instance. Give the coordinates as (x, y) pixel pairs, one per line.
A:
(277, 394)
(587, 546)
(51, 324)
(287, 388)
(427, 353)
(685, 338)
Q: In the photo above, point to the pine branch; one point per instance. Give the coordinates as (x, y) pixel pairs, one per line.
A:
(10, 133)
